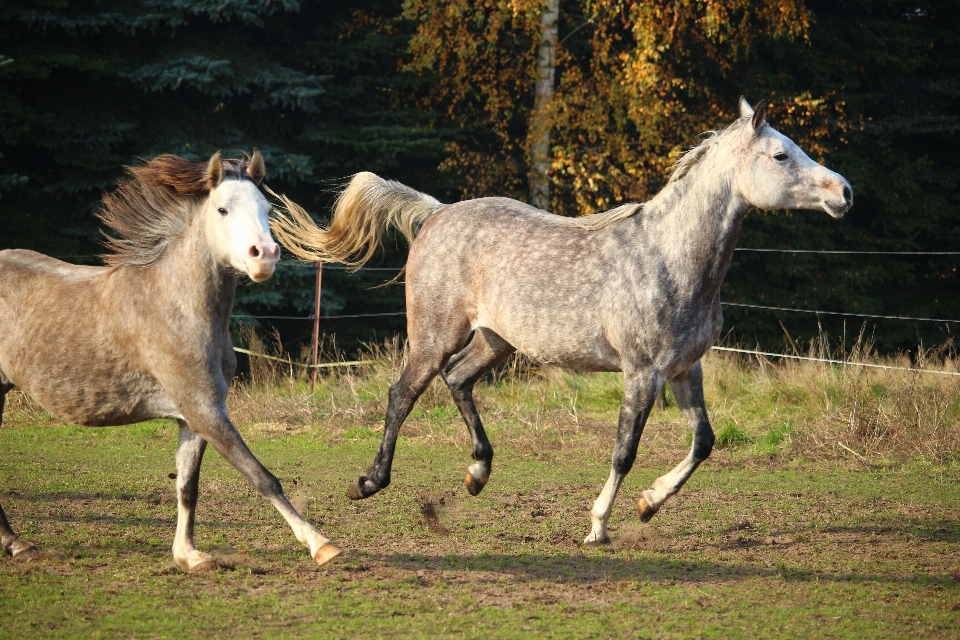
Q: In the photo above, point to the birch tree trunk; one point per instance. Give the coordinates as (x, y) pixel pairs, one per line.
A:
(543, 95)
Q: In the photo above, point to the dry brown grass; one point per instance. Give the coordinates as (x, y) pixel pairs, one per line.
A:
(835, 410)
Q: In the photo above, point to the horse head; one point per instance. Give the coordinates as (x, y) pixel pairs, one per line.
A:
(774, 173)
(236, 217)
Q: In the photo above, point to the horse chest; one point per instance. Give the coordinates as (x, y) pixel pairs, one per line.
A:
(690, 340)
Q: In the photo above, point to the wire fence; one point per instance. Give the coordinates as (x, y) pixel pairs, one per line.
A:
(725, 304)
(846, 363)
(836, 313)
(856, 253)
(766, 354)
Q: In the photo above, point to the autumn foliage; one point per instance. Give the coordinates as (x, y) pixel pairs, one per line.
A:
(637, 81)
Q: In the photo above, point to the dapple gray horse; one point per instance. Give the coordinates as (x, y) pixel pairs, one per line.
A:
(148, 335)
(635, 289)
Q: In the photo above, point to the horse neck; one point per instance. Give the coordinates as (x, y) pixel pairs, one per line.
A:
(199, 281)
(696, 222)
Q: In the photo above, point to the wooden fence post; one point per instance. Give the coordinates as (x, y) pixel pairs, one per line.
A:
(316, 331)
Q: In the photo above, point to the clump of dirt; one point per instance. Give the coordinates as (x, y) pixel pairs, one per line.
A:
(431, 518)
(642, 539)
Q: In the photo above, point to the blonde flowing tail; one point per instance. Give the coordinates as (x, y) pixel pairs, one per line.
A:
(362, 213)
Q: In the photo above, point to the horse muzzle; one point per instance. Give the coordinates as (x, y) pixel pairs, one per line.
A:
(262, 258)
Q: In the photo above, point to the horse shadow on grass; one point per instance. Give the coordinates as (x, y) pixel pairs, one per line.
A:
(584, 570)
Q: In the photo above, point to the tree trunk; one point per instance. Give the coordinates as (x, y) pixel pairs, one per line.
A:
(543, 95)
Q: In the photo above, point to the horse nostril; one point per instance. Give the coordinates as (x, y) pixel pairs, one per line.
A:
(254, 252)
(847, 196)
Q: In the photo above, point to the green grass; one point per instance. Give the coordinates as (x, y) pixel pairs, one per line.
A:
(829, 508)
(787, 550)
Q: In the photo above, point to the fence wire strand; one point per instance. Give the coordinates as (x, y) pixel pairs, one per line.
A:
(840, 362)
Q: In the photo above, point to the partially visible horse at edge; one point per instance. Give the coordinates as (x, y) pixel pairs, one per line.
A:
(148, 335)
(635, 289)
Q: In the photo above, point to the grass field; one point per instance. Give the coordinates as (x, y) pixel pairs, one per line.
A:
(831, 508)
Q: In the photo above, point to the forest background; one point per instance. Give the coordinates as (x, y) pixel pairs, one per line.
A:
(576, 105)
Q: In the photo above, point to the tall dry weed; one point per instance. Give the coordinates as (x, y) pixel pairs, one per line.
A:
(846, 410)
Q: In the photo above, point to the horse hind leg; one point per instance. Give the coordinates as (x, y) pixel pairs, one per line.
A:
(9, 541)
(485, 350)
(688, 391)
(4, 390)
(423, 367)
(190, 450)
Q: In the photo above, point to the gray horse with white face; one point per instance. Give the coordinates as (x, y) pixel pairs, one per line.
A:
(148, 335)
(635, 289)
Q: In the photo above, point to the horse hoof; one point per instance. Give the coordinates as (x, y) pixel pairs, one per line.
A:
(197, 562)
(643, 507)
(362, 488)
(595, 540)
(474, 486)
(22, 549)
(204, 566)
(326, 553)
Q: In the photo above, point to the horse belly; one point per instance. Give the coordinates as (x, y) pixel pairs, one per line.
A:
(564, 341)
(75, 369)
(101, 401)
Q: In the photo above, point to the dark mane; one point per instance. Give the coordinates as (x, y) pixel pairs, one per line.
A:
(155, 205)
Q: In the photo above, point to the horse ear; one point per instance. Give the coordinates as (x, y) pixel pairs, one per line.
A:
(214, 171)
(256, 169)
(745, 109)
(759, 116)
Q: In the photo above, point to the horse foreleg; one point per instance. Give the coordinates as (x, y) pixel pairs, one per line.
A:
(189, 456)
(639, 393)
(688, 391)
(484, 351)
(403, 394)
(219, 432)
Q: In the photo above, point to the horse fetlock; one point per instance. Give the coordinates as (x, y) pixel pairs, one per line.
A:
(647, 506)
(364, 487)
(20, 548)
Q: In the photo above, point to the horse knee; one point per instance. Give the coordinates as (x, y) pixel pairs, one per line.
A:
(623, 460)
(703, 444)
(267, 485)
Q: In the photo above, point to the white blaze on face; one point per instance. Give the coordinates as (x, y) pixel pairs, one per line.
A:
(239, 231)
(774, 173)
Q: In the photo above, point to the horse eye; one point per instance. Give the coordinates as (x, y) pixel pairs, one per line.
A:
(222, 211)
(780, 157)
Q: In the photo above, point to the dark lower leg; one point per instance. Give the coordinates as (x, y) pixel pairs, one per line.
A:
(479, 472)
(217, 429)
(485, 350)
(403, 395)
(688, 391)
(8, 539)
(639, 394)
